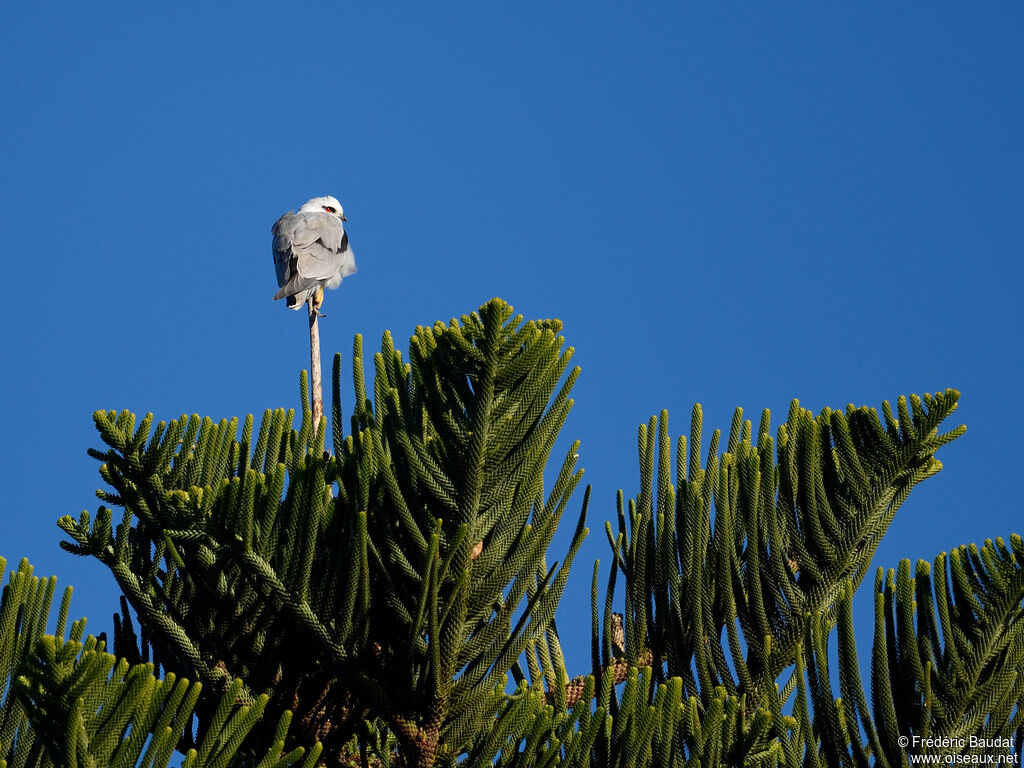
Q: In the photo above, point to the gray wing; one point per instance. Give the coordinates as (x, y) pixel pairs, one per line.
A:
(310, 249)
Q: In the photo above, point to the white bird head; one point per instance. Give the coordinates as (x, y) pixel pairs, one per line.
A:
(326, 204)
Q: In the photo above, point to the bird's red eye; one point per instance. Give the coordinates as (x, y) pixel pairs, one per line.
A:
(329, 209)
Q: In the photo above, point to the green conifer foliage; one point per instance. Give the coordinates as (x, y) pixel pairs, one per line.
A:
(948, 651)
(24, 612)
(725, 566)
(383, 594)
(458, 523)
(68, 704)
(400, 578)
(738, 572)
(945, 665)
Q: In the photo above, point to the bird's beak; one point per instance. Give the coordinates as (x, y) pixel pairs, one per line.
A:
(344, 217)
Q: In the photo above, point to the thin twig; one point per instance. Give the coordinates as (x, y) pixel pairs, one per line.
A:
(314, 364)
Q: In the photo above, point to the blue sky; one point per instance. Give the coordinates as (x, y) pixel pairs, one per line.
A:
(731, 205)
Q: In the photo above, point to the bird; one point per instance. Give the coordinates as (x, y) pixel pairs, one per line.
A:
(618, 635)
(311, 252)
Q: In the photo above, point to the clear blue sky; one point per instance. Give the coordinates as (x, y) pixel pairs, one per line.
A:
(729, 204)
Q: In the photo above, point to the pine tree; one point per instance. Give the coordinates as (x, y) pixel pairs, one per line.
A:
(68, 703)
(738, 571)
(407, 597)
(393, 596)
